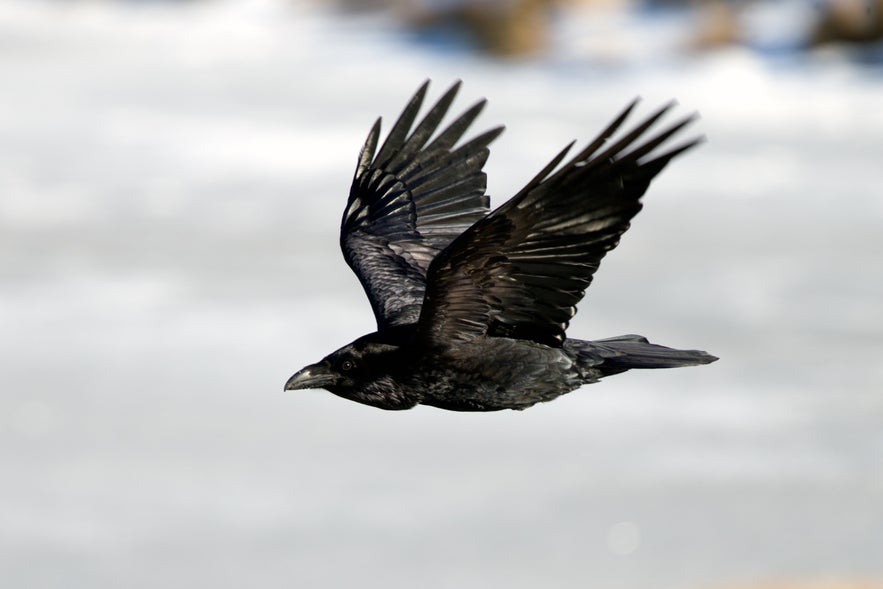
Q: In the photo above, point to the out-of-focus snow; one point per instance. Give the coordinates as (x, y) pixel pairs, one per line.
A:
(171, 180)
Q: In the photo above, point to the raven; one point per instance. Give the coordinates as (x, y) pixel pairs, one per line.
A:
(472, 305)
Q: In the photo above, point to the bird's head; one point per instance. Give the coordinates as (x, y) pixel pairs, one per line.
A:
(339, 370)
(361, 371)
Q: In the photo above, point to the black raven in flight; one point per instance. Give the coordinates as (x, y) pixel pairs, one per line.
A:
(471, 305)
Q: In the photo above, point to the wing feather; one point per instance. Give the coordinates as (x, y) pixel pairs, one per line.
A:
(410, 200)
(520, 271)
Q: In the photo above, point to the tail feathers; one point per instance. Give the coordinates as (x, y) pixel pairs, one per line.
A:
(618, 354)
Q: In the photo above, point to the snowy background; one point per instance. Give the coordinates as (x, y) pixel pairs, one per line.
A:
(171, 180)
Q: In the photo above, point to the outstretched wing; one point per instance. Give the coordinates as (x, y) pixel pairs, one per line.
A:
(521, 270)
(410, 201)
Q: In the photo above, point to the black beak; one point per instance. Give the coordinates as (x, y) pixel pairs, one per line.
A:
(315, 376)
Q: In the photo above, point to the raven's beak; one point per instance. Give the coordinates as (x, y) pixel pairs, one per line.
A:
(315, 376)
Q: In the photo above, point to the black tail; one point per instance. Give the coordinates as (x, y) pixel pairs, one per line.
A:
(618, 354)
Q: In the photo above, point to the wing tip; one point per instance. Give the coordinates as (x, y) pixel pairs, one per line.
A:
(631, 106)
(369, 148)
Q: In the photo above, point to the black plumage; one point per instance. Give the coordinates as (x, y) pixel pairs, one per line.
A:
(472, 306)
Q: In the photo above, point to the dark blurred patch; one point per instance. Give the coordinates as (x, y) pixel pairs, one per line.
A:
(497, 27)
(501, 27)
(849, 21)
(724, 22)
(527, 27)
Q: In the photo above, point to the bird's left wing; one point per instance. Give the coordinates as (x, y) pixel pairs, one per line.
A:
(520, 271)
(409, 201)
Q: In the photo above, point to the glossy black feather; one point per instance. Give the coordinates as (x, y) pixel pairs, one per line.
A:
(472, 307)
(410, 201)
(520, 271)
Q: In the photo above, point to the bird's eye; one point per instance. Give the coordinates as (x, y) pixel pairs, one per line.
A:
(347, 365)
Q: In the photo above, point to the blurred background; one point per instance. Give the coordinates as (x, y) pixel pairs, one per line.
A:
(171, 180)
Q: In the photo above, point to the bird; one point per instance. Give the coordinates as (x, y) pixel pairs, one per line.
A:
(472, 305)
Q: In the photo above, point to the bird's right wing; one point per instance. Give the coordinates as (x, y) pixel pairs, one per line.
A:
(410, 201)
(520, 271)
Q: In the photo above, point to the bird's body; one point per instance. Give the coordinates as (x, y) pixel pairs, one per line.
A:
(472, 306)
(391, 370)
(497, 373)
